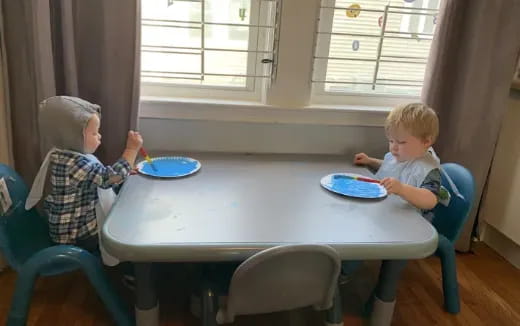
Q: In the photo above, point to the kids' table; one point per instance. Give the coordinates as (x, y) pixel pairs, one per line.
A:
(239, 204)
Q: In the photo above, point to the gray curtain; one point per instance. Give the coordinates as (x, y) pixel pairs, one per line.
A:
(467, 82)
(88, 49)
(6, 150)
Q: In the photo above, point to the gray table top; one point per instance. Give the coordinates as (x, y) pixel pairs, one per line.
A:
(238, 204)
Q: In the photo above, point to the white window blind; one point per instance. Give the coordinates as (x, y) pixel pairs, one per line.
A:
(375, 47)
(219, 44)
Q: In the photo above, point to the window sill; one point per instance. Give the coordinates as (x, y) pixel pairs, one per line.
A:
(236, 111)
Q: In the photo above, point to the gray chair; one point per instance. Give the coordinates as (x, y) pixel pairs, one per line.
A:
(277, 279)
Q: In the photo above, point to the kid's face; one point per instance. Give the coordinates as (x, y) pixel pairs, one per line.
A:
(404, 146)
(91, 135)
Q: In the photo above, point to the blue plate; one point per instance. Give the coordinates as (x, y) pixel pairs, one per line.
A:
(169, 167)
(351, 187)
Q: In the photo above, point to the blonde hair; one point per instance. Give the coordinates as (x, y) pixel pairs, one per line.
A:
(416, 118)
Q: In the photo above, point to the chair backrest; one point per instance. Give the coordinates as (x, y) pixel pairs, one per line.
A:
(22, 233)
(450, 219)
(283, 278)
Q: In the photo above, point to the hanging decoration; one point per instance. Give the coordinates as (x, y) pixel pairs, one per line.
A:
(355, 45)
(353, 10)
(242, 13)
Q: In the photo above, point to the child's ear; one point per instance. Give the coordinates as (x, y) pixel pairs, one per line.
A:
(428, 141)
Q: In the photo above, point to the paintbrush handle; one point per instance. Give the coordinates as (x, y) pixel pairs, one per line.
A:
(143, 152)
(145, 155)
(367, 179)
(341, 176)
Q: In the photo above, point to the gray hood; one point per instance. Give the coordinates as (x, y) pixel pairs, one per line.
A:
(62, 120)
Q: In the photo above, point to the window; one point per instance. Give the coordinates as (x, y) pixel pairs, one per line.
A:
(231, 60)
(373, 47)
(208, 48)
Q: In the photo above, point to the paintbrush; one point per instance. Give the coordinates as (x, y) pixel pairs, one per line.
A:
(341, 176)
(147, 158)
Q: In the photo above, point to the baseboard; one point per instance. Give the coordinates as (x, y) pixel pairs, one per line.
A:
(504, 246)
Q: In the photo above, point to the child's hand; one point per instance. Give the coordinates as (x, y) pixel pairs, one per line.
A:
(361, 159)
(134, 141)
(392, 186)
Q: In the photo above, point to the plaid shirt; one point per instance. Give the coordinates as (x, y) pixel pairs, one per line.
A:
(71, 205)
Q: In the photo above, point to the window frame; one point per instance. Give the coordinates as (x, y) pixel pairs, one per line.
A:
(288, 97)
(255, 87)
(319, 96)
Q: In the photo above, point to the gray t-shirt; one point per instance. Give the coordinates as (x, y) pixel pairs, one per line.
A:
(432, 182)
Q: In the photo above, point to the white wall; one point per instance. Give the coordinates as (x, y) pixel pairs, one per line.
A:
(501, 204)
(221, 136)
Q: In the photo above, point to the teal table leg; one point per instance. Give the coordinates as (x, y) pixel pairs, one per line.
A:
(335, 313)
(383, 301)
(210, 307)
(146, 302)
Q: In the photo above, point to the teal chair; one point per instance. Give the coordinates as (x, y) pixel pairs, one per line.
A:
(27, 247)
(449, 221)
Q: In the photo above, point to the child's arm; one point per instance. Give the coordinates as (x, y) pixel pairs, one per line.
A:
(134, 141)
(364, 159)
(107, 176)
(418, 197)
(97, 175)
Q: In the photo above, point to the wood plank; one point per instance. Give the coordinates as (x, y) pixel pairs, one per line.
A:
(489, 288)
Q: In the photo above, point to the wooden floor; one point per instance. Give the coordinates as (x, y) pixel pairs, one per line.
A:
(490, 291)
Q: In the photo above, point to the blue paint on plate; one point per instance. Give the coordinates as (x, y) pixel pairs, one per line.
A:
(170, 167)
(346, 186)
(356, 188)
